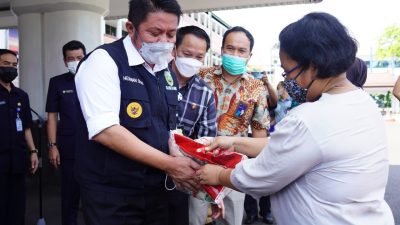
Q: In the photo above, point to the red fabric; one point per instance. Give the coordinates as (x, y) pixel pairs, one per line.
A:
(197, 151)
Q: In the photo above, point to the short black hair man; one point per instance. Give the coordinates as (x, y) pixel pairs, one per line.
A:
(196, 109)
(62, 102)
(129, 109)
(241, 102)
(15, 139)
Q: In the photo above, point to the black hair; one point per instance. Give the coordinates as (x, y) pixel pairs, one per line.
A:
(139, 9)
(319, 39)
(239, 29)
(73, 45)
(357, 73)
(196, 31)
(4, 51)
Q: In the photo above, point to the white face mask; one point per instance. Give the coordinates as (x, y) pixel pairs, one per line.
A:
(72, 66)
(157, 53)
(188, 67)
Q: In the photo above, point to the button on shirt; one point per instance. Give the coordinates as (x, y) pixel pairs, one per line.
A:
(326, 163)
(102, 87)
(239, 104)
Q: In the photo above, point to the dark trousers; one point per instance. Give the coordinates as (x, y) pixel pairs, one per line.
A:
(12, 199)
(178, 208)
(69, 193)
(112, 208)
(250, 206)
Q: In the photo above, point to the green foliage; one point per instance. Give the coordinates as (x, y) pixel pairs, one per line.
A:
(382, 100)
(388, 100)
(389, 43)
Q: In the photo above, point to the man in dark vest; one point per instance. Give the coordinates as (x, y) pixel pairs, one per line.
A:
(128, 99)
(62, 102)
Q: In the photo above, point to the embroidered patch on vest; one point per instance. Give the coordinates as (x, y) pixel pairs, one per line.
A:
(168, 78)
(134, 110)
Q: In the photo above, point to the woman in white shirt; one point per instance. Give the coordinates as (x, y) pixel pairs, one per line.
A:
(326, 162)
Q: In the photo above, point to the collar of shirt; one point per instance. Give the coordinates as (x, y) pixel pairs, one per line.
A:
(134, 57)
(70, 76)
(14, 90)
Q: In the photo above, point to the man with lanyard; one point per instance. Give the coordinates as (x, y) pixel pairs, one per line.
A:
(15, 140)
(196, 109)
(128, 100)
(240, 102)
(62, 100)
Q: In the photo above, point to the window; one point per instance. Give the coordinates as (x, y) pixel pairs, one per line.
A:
(203, 20)
(110, 30)
(383, 64)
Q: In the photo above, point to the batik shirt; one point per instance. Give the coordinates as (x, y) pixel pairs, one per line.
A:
(240, 105)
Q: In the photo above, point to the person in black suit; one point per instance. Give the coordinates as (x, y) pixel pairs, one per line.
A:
(15, 140)
(62, 102)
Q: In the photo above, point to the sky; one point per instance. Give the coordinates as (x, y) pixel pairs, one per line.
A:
(365, 20)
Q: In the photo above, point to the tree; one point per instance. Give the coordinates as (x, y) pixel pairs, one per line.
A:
(389, 43)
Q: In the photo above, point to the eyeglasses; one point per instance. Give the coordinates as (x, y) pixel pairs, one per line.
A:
(286, 73)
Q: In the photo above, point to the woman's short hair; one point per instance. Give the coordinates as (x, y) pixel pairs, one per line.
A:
(319, 39)
(357, 73)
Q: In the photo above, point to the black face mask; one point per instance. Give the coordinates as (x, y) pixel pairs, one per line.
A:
(8, 74)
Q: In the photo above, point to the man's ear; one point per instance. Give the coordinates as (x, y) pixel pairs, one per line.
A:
(130, 28)
(250, 55)
(174, 52)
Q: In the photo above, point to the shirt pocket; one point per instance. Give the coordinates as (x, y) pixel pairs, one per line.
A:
(135, 110)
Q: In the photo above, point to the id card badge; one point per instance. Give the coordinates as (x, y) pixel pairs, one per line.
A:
(241, 109)
(18, 122)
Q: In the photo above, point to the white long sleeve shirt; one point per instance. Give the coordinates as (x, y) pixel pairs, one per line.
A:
(326, 163)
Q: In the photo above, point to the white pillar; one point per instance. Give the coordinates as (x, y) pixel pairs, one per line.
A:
(119, 28)
(31, 70)
(3, 39)
(44, 27)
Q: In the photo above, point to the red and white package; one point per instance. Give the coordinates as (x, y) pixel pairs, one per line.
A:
(196, 151)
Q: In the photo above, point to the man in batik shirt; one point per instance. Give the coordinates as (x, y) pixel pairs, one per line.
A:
(241, 102)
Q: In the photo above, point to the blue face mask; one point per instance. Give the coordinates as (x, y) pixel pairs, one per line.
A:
(234, 65)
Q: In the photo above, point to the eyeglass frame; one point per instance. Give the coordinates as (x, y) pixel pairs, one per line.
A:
(285, 74)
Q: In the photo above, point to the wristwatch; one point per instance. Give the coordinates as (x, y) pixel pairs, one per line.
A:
(34, 151)
(51, 144)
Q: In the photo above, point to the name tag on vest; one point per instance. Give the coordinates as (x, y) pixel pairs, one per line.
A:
(133, 80)
(68, 91)
(170, 88)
